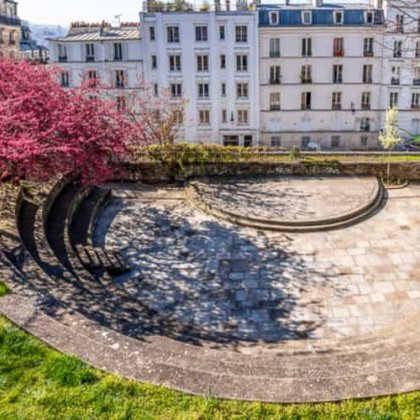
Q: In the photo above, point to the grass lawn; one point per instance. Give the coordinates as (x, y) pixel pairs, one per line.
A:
(37, 382)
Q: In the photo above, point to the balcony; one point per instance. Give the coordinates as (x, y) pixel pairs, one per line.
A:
(306, 80)
(274, 54)
(336, 107)
(10, 21)
(275, 81)
(90, 58)
(368, 53)
(366, 107)
(397, 54)
(367, 80)
(338, 53)
(63, 59)
(416, 82)
(395, 81)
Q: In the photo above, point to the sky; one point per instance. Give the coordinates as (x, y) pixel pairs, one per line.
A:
(62, 12)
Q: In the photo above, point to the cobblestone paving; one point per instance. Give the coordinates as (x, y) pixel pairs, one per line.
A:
(235, 282)
(286, 198)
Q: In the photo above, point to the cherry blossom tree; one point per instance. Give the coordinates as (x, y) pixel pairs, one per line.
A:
(47, 131)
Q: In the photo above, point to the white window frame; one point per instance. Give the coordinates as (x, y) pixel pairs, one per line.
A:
(336, 14)
(242, 116)
(242, 62)
(203, 64)
(306, 13)
(203, 89)
(274, 18)
(201, 33)
(204, 117)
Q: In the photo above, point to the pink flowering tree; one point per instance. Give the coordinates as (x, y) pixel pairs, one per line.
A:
(47, 131)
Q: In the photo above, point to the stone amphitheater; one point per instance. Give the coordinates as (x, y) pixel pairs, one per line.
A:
(282, 289)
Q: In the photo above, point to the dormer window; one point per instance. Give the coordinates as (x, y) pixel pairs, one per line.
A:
(306, 18)
(338, 18)
(369, 18)
(274, 18)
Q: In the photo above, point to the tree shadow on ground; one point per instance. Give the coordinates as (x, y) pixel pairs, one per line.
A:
(211, 280)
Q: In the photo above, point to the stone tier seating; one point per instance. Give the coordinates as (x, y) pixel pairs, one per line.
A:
(57, 299)
(201, 201)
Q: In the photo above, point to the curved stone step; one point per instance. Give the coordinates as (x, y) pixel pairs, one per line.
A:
(341, 222)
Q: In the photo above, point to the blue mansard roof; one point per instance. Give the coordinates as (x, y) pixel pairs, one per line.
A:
(353, 15)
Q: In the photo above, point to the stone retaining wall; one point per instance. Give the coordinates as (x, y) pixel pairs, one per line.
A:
(155, 173)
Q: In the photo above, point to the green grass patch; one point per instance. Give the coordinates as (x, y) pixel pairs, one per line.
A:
(37, 382)
(3, 289)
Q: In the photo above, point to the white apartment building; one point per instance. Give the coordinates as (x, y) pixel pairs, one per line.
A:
(211, 59)
(274, 75)
(320, 75)
(106, 55)
(401, 67)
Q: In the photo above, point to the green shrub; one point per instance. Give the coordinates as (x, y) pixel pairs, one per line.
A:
(3, 289)
(294, 153)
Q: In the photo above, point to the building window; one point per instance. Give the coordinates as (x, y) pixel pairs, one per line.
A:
(393, 99)
(307, 47)
(242, 90)
(202, 62)
(369, 18)
(418, 49)
(368, 47)
(366, 100)
(337, 73)
(335, 142)
(274, 18)
(304, 142)
(336, 100)
(201, 33)
(222, 33)
(222, 61)
(121, 103)
(306, 74)
(172, 34)
(365, 124)
(224, 116)
(223, 89)
(119, 79)
(204, 117)
(90, 52)
(395, 75)
(156, 89)
(305, 101)
(275, 76)
(364, 141)
(248, 140)
(274, 47)
(398, 49)
(92, 78)
(416, 78)
(176, 90)
(203, 90)
(175, 63)
(241, 33)
(306, 17)
(275, 101)
(65, 79)
(275, 141)
(118, 52)
(242, 116)
(399, 23)
(62, 53)
(338, 18)
(367, 73)
(241, 62)
(152, 35)
(415, 101)
(338, 47)
(153, 60)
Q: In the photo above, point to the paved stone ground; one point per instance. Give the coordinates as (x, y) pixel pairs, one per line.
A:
(290, 198)
(235, 282)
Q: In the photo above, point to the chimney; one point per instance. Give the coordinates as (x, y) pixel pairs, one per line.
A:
(287, 2)
(241, 5)
(217, 5)
(228, 5)
(317, 3)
